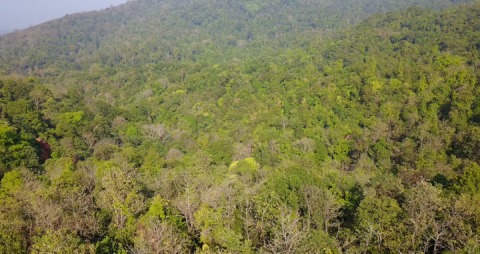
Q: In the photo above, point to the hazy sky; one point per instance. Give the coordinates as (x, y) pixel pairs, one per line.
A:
(19, 14)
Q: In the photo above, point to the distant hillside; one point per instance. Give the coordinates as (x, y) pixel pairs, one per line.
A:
(148, 31)
(5, 31)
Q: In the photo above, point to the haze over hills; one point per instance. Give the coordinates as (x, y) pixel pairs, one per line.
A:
(21, 14)
(209, 126)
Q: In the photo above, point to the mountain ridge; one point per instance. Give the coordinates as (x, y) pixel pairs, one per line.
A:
(94, 29)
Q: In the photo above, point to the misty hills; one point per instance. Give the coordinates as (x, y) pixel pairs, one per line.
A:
(4, 31)
(213, 126)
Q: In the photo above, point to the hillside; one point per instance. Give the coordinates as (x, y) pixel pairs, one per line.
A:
(178, 30)
(293, 126)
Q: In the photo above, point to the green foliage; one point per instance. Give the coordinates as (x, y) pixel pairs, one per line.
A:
(221, 151)
(319, 242)
(10, 243)
(215, 233)
(132, 135)
(108, 246)
(11, 219)
(59, 242)
(469, 181)
(288, 126)
(14, 151)
(13, 90)
(246, 168)
(381, 154)
(68, 123)
(157, 209)
(378, 224)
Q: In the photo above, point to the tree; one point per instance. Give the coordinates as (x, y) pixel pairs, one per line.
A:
(323, 208)
(14, 151)
(288, 232)
(39, 95)
(159, 237)
(379, 225)
(13, 219)
(119, 193)
(423, 207)
(59, 242)
(216, 233)
(469, 181)
(159, 231)
(68, 124)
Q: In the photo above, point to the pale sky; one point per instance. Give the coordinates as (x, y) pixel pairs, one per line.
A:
(19, 14)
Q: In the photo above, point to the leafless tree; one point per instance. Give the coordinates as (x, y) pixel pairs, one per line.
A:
(89, 139)
(188, 204)
(156, 237)
(288, 234)
(422, 206)
(155, 131)
(306, 145)
(323, 209)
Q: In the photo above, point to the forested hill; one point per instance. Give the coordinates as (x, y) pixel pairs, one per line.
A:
(354, 131)
(148, 31)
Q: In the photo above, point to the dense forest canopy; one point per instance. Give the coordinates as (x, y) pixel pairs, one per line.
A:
(207, 126)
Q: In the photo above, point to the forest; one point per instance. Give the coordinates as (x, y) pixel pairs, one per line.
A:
(247, 126)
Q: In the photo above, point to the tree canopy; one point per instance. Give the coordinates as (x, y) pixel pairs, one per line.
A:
(288, 126)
